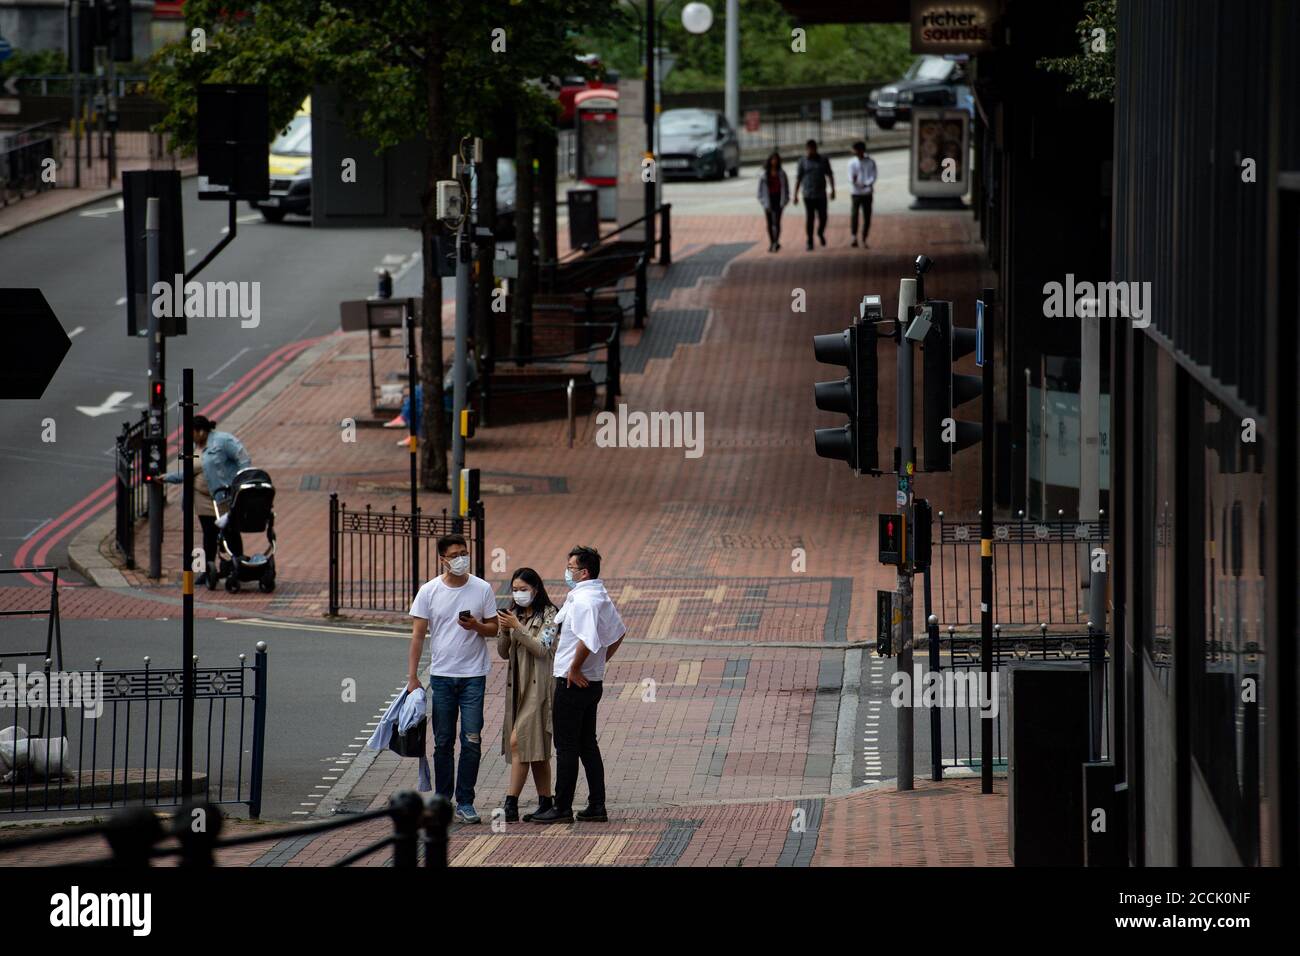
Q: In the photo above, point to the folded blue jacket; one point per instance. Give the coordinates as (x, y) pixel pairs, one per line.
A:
(406, 710)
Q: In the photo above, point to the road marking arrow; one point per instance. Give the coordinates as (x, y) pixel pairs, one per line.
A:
(112, 404)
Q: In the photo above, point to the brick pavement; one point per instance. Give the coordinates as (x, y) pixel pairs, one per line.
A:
(744, 573)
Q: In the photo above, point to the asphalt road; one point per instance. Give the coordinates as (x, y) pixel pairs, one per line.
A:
(312, 731)
(77, 260)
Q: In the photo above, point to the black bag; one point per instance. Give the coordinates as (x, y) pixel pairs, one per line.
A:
(409, 743)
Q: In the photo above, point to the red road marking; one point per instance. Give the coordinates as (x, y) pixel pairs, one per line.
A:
(90, 506)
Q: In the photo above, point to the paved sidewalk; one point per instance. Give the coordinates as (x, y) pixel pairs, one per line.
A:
(744, 574)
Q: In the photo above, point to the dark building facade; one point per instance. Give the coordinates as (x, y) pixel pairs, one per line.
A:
(1204, 609)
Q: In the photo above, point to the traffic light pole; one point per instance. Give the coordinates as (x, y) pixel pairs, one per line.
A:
(986, 545)
(459, 377)
(187, 581)
(906, 468)
(156, 428)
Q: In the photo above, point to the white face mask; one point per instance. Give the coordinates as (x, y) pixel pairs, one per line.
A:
(458, 565)
(523, 598)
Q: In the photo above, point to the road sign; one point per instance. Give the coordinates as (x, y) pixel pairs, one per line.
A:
(32, 343)
(6, 49)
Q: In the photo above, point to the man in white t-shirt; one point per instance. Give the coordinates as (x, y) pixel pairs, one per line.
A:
(862, 181)
(591, 631)
(459, 610)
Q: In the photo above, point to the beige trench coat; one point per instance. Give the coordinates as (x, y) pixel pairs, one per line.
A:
(530, 688)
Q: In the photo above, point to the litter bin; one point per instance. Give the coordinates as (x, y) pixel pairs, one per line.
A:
(584, 217)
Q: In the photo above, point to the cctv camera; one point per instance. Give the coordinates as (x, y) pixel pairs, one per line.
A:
(923, 263)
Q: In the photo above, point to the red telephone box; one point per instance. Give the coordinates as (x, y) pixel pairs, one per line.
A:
(597, 146)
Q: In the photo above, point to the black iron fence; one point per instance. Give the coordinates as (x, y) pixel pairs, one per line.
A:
(136, 837)
(131, 500)
(966, 699)
(123, 736)
(1040, 570)
(378, 559)
(23, 166)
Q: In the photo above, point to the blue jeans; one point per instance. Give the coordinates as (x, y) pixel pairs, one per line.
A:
(450, 694)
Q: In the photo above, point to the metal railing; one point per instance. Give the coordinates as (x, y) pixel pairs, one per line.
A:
(1039, 568)
(371, 553)
(127, 738)
(956, 657)
(23, 155)
(53, 650)
(131, 494)
(136, 836)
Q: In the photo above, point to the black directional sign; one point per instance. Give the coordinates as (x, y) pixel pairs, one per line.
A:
(32, 343)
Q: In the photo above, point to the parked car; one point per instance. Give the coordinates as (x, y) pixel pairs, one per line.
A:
(699, 143)
(893, 102)
(290, 167)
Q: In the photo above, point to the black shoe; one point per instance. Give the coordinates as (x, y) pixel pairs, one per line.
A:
(511, 807)
(810, 245)
(822, 237)
(593, 815)
(778, 247)
(543, 804)
(553, 815)
(854, 243)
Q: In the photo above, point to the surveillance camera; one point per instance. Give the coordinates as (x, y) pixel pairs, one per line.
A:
(920, 327)
(923, 264)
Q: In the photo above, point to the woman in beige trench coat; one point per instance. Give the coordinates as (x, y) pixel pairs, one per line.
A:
(526, 639)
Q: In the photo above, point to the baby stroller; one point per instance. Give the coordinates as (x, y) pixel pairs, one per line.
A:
(250, 511)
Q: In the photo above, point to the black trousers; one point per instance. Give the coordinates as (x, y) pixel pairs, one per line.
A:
(773, 225)
(863, 203)
(815, 207)
(233, 539)
(574, 726)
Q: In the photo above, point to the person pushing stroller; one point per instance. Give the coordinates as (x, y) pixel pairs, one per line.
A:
(221, 456)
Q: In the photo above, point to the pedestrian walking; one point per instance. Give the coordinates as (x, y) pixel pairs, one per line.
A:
(813, 175)
(526, 638)
(773, 196)
(220, 456)
(862, 181)
(459, 610)
(591, 632)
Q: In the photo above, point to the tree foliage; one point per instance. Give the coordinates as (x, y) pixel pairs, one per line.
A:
(835, 52)
(1091, 71)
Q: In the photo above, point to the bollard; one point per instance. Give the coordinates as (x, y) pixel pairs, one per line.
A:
(406, 809)
(197, 826)
(131, 835)
(436, 820)
(568, 393)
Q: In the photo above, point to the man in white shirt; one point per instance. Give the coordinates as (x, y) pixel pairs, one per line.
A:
(862, 179)
(460, 611)
(591, 631)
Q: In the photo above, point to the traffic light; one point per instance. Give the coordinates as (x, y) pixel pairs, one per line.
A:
(891, 535)
(944, 389)
(115, 29)
(854, 395)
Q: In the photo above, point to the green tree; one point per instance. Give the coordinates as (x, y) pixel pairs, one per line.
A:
(1091, 71)
(425, 68)
(835, 52)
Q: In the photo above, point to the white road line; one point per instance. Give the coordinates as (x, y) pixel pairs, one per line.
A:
(255, 217)
(37, 528)
(299, 813)
(121, 301)
(77, 331)
(190, 252)
(228, 363)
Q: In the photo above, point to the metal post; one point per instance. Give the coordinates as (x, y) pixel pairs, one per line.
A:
(260, 684)
(986, 547)
(732, 92)
(412, 376)
(1089, 430)
(187, 577)
(1096, 653)
(437, 817)
(932, 639)
(650, 191)
(906, 300)
(76, 93)
(458, 363)
(407, 808)
(111, 107)
(156, 432)
(666, 236)
(568, 392)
